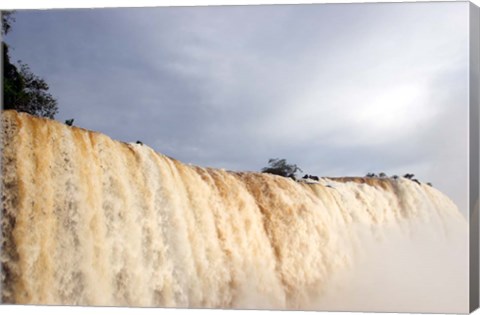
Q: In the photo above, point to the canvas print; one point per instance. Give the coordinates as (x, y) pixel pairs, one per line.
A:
(283, 157)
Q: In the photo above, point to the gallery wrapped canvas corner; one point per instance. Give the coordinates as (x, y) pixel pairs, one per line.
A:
(285, 157)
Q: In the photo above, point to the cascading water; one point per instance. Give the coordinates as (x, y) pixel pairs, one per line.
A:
(91, 221)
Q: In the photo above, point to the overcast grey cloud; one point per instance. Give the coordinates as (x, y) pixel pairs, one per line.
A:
(337, 89)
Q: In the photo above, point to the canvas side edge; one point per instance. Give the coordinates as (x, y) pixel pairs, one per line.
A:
(474, 86)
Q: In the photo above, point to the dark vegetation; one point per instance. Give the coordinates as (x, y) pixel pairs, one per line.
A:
(23, 90)
(407, 176)
(311, 177)
(282, 168)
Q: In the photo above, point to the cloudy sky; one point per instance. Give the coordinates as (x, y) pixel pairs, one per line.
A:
(336, 89)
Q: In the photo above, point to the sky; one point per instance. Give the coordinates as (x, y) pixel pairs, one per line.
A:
(338, 89)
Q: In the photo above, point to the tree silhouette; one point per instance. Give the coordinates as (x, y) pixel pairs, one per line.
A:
(23, 90)
(282, 168)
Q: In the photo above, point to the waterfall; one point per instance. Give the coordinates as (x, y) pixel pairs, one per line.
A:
(87, 220)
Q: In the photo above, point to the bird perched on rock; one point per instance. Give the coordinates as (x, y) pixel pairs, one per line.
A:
(69, 122)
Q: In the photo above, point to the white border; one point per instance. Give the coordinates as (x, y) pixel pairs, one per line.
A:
(50, 4)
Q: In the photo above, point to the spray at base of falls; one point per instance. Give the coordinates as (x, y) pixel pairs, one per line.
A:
(91, 221)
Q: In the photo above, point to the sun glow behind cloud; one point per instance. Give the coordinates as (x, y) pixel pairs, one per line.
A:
(385, 116)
